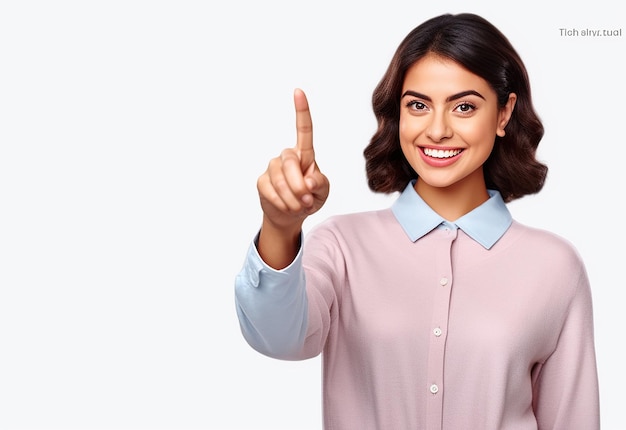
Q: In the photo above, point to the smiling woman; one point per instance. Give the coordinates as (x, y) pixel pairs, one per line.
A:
(476, 48)
(441, 312)
(447, 132)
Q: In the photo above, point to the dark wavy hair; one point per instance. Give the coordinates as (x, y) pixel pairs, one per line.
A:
(478, 46)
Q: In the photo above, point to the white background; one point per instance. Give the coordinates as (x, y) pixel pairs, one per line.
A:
(131, 136)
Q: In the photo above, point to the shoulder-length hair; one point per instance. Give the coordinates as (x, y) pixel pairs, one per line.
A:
(478, 46)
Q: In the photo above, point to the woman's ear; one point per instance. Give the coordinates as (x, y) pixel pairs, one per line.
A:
(505, 114)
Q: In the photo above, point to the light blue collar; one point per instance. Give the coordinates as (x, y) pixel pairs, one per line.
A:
(486, 224)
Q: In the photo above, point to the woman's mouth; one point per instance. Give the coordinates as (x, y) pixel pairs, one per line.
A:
(437, 157)
(441, 153)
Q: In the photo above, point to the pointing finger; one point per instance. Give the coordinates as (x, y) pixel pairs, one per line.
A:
(304, 127)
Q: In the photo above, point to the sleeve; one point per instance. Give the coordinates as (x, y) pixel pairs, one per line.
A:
(566, 394)
(272, 306)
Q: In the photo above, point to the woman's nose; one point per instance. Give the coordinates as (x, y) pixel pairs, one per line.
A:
(438, 128)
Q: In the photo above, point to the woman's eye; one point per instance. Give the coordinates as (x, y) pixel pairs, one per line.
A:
(416, 105)
(465, 108)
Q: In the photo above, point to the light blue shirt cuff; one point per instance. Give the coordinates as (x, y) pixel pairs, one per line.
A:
(272, 305)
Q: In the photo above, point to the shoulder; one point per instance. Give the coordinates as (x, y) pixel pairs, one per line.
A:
(358, 230)
(543, 244)
(358, 222)
(369, 217)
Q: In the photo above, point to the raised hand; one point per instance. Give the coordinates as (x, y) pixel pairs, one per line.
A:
(291, 188)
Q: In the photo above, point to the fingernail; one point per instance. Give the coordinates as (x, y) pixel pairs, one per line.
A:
(310, 183)
(307, 199)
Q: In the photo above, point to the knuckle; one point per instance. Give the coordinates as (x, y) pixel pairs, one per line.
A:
(273, 163)
(305, 127)
(280, 184)
(262, 181)
(288, 154)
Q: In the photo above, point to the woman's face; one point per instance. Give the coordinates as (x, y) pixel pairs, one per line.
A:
(449, 119)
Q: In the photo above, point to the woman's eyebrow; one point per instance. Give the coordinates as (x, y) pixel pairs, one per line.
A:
(463, 94)
(448, 99)
(416, 94)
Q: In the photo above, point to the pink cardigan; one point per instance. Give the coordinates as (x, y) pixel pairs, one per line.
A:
(442, 333)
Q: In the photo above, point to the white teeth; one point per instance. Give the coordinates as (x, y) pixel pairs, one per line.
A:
(441, 153)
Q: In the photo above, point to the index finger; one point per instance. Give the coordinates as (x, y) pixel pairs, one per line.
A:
(304, 125)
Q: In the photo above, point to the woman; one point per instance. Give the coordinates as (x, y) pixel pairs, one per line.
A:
(441, 312)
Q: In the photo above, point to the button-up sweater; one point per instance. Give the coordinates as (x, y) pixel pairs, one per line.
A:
(478, 324)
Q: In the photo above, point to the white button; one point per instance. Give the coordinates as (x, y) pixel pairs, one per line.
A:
(437, 332)
(434, 389)
(443, 281)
